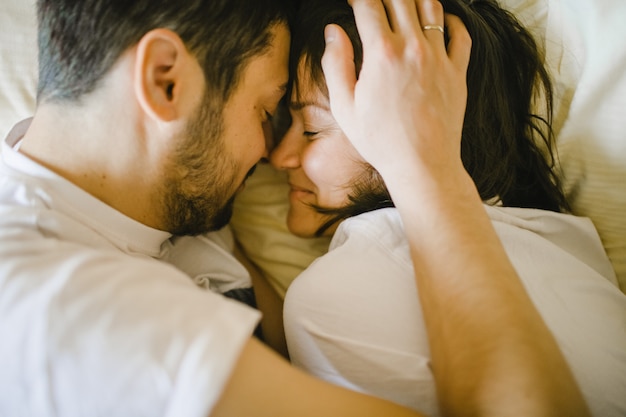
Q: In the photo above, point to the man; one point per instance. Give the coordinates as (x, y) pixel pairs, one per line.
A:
(150, 117)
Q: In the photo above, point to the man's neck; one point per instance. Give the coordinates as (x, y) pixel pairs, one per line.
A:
(102, 155)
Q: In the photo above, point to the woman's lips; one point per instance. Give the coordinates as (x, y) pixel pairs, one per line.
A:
(298, 192)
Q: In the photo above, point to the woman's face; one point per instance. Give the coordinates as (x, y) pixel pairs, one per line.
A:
(320, 161)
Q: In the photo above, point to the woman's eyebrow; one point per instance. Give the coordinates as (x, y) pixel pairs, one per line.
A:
(299, 105)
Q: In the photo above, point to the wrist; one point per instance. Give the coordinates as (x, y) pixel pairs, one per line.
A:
(416, 187)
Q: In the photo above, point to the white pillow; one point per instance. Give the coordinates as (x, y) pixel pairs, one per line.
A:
(585, 41)
(18, 62)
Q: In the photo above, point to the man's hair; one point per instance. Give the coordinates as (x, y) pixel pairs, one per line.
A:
(506, 147)
(81, 40)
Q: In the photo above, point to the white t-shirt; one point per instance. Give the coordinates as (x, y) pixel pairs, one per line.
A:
(353, 317)
(91, 322)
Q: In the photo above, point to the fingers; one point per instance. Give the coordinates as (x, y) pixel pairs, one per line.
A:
(371, 20)
(402, 15)
(376, 18)
(406, 17)
(431, 17)
(339, 69)
(460, 44)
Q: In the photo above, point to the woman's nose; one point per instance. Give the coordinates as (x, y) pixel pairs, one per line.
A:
(286, 155)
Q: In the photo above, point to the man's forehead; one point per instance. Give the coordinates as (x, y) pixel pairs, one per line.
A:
(272, 67)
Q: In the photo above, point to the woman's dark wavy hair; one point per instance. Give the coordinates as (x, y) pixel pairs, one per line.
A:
(80, 40)
(506, 148)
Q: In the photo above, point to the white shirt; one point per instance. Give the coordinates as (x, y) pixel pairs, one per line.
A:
(90, 322)
(353, 317)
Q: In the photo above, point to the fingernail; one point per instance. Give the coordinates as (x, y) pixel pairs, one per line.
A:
(330, 32)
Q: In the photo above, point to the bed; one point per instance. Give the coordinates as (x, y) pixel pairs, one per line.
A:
(584, 52)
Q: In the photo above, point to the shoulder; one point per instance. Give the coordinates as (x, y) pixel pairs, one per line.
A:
(384, 227)
(101, 311)
(368, 243)
(546, 234)
(369, 250)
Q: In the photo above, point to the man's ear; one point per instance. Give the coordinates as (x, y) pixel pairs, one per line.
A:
(162, 74)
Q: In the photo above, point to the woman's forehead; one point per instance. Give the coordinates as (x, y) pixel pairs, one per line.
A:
(306, 88)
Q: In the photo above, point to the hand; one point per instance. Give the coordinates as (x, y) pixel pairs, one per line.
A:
(408, 105)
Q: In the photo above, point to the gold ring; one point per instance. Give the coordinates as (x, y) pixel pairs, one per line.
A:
(432, 27)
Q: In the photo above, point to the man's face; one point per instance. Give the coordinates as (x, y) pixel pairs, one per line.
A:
(222, 146)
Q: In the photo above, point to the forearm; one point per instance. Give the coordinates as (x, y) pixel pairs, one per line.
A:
(262, 384)
(491, 349)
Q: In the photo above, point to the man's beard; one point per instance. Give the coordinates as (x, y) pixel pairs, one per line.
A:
(189, 216)
(200, 183)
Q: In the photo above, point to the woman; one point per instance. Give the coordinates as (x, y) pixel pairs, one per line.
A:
(352, 317)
